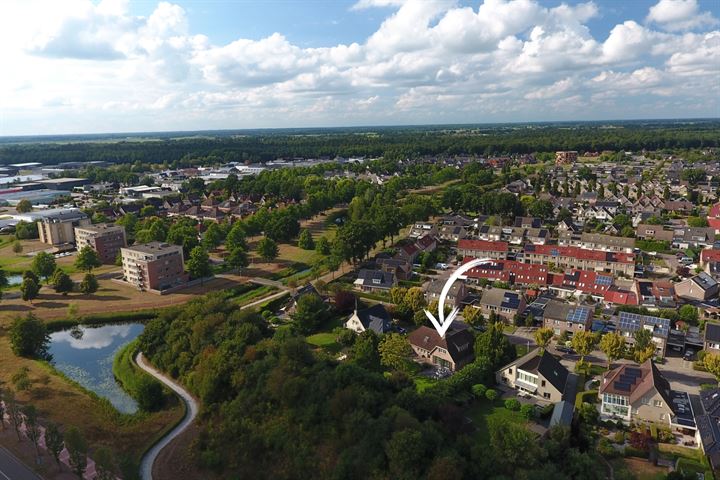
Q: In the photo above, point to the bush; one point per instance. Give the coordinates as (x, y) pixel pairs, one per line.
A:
(588, 396)
(479, 390)
(654, 432)
(527, 411)
(547, 411)
(605, 448)
(635, 452)
(619, 437)
(491, 394)
(512, 404)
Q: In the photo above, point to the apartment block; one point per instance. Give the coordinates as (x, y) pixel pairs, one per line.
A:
(105, 239)
(154, 266)
(57, 227)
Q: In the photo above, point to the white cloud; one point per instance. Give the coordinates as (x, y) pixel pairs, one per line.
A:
(429, 60)
(675, 15)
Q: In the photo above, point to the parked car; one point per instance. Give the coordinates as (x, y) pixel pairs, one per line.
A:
(401, 330)
(564, 349)
(689, 355)
(441, 266)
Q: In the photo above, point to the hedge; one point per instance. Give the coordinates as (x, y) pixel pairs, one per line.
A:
(99, 319)
(589, 396)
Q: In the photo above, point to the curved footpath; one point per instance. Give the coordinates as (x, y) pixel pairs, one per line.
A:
(191, 410)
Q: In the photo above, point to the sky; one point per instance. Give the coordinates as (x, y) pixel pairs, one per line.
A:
(81, 66)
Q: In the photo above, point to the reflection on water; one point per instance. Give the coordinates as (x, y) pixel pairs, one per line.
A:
(85, 354)
(14, 280)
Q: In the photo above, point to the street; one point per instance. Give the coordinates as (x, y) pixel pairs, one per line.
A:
(13, 469)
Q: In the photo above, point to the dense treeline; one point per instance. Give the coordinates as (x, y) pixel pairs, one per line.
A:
(274, 409)
(392, 143)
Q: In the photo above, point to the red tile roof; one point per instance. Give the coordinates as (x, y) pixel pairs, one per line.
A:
(482, 245)
(714, 211)
(580, 253)
(710, 255)
(620, 297)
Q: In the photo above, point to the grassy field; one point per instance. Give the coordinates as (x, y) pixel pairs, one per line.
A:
(326, 341)
(485, 412)
(638, 469)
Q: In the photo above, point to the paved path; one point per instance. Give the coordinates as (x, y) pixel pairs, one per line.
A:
(191, 411)
(264, 299)
(266, 281)
(13, 469)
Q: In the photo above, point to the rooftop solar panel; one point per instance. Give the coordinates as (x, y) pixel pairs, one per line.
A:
(634, 372)
(623, 387)
(603, 280)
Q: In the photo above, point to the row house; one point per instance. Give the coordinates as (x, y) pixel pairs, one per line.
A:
(597, 241)
(646, 231)
(509, 271)
(483, 249)
(616, 263)
(654, 294)
(581, 282)
(564, 317)
(454, 296)
(693, 237)
(505, 303)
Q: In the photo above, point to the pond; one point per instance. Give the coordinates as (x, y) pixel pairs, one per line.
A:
(86, 355)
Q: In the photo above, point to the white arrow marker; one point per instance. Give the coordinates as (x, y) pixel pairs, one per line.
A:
(444, 323)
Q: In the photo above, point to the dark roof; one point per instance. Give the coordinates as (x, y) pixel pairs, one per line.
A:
(375, 318)
(562, 414)
(712, 332)
(458, 341)
(376, 278)
(549, 367)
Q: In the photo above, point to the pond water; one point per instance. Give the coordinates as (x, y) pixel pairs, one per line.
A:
(88, 358)
(14, 280)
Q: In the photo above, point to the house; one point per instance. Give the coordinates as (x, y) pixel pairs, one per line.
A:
(452, 352)
(566, 257)
(708, 425)
(408, 253)
(654, 294)
(374, 318)
(541, 375)
(375, 280)
(528, 222)
(483, 249)
(628, 323)
(509, 271)
(490, 233)
(452, 233)
(639, 393)
(401, 268)
(421, 229)
(566, 317)
(505, 303)
(426, 243)
(700, 287)
(712, 337)
(692, 237)
(646, 231)
(454, 297)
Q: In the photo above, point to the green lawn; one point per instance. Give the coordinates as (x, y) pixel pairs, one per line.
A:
(484, 412)
(423, 383)
(326, 341)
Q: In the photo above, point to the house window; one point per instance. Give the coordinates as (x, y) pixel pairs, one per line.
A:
(546, 395)
(657, 403)
(662, 416)
(542, 383)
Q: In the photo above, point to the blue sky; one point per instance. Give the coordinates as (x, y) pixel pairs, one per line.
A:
(76, 66)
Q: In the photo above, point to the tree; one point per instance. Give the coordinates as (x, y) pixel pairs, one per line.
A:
(21, 380)
(89, 284)
(61, 282)
(16, 418)
(78, 449)
(87, 259)
(236, 238)
(322, 246)
(54, 441)
(17, 246)
(183, 234)
(26, 230)
(32, 429)
(238, 258)
(149, 394)
(311, 312)
(305, 241)
(213, 236)
(43, 265)
(199, 263)
(365, 351)
(494, 345)
(472, 316)
(29, 337)
(29, 289)
(268, 249)
(689, 314)
(644, 347)
(583, 342)
(24, 206)
(613, 346)
(543, 337)
(104, 464)
(712, 364)
(395, 352)
(406, 454)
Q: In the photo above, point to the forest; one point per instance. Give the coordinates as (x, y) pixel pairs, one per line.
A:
(392, 143)
(274, 409)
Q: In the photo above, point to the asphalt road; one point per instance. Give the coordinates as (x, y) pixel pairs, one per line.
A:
(13, 469)
(191, 411)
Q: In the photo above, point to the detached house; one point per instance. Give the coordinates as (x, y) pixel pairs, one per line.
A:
(541, 375)
(454, 297)
(635, 393)
(700, 287)
(374, 318)
(375, 280)
(452, 352)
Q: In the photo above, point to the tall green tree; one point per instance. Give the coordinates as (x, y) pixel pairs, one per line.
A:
(395, 352)
(43, 265)
(54, 441)
(199, 263)
(311, 311)
(29, 288)
(583, 342)
(213, 236)
(305, 240)
(61, 282)
(613, 346)
(89, 284)
(268, 249)
(87, 259)
(105, 464)
(238, 258)
(24, 206)
(78, 450)
(543, 337)
(29, 337)
(644, 347)
(32, 428)
(494, 345)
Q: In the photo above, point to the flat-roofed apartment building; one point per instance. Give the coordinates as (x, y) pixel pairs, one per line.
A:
(105, 239)
(57, 226)
(154, 266)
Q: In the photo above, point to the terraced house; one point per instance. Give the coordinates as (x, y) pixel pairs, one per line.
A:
(617, 263)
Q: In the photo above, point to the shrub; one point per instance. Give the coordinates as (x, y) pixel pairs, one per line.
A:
(479, 390)
(491, 394)
(528, 411)
(547, 410)
(654, 432)
(635, 452)
(512, 404)
(619, 437)
(605, 448)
